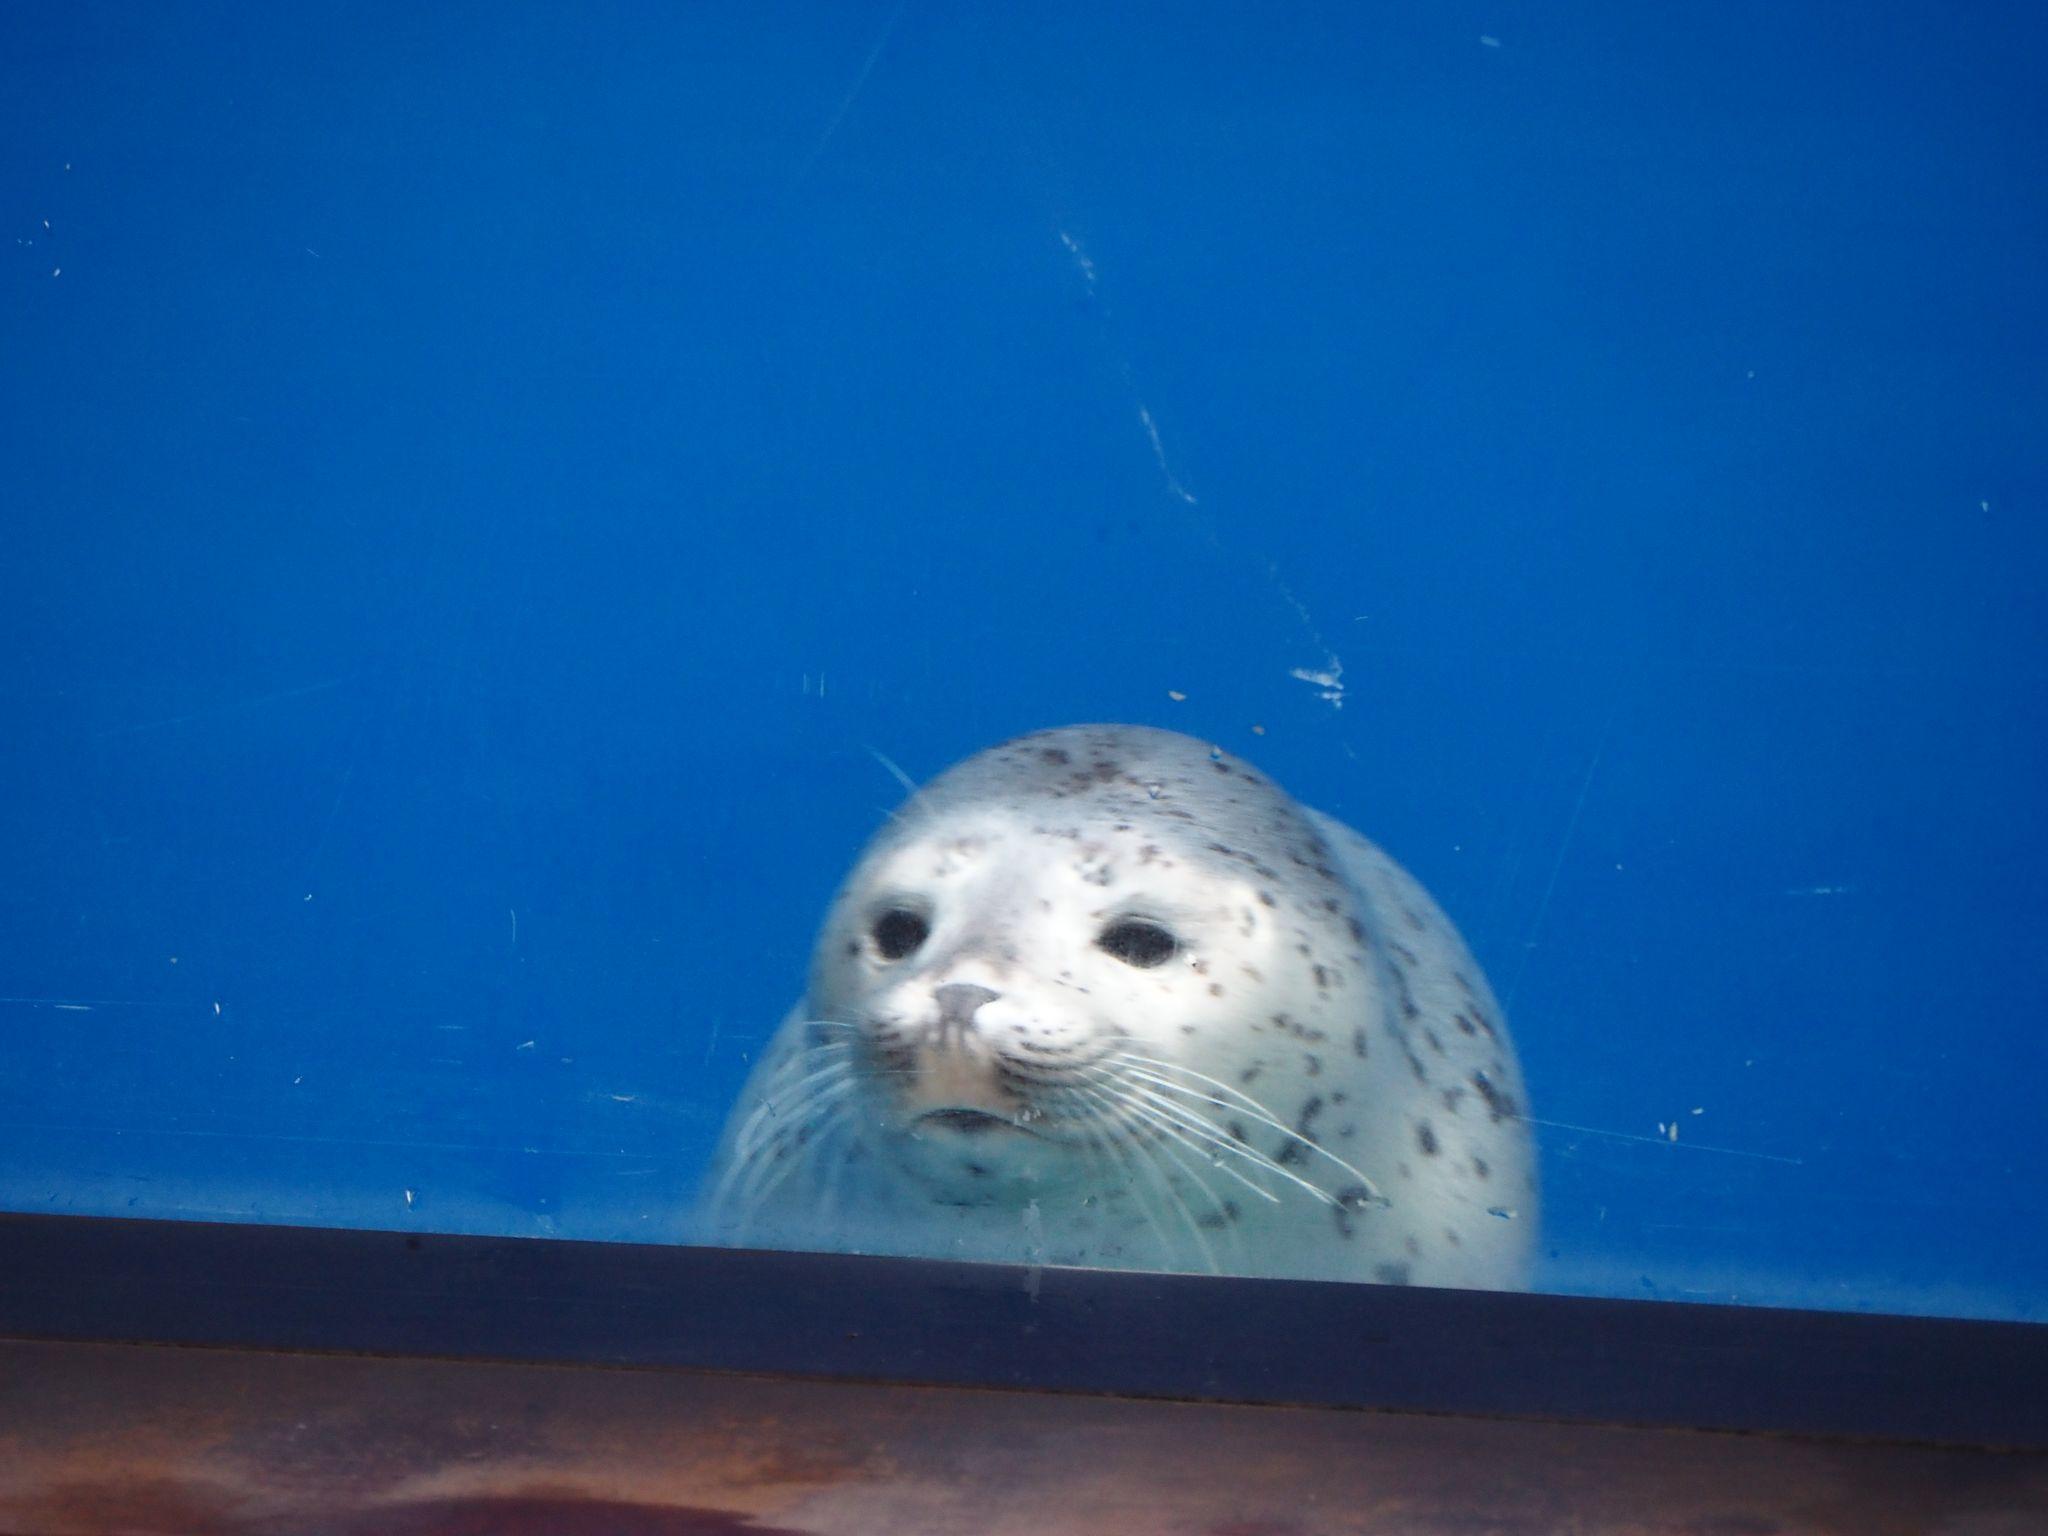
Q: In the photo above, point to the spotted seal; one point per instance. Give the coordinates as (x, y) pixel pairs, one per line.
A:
(1106, 995)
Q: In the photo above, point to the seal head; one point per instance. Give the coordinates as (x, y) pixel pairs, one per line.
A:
(1107, 995)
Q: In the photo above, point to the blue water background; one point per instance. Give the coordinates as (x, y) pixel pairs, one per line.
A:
(482, 484)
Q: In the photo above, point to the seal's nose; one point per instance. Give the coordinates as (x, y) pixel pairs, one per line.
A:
(958, 1000)
(954, 1067)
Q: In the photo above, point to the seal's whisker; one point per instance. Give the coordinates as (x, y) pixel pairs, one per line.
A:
(1251, 1154)
(1099, 1148)
(730, 1198)
(1169, 1141)
(801, 1068)
(740, 1160)
(791, 1110)
(1187, 1216)
(1215, 1136)
(1237, 1096)
(1211, 1140)
(1251, 1109)
(768, 1173)
(1165, 1182)
(829, 1027)
(802, 1127)
(1132, 1154)
(1116, 1148)
(776, 1103)
(1211, 1136)
(776, 1107)
(837, 1127)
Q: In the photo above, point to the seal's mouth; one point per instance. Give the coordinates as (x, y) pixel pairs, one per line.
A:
(968, 1122)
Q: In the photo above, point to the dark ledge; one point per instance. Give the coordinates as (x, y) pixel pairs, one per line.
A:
(1060, 1330)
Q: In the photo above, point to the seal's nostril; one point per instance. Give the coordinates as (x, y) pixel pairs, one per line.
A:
(958, 1000)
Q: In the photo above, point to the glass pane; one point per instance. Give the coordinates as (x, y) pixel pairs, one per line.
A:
(503, 506)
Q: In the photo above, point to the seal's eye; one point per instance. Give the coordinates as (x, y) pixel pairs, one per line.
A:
(899, 931)
(1137, 941)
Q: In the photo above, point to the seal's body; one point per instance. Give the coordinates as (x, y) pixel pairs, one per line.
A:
(1107, 996)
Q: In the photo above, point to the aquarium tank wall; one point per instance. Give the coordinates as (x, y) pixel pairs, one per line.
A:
(505, 503)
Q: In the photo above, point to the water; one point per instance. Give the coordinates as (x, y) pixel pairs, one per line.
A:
(483, 490)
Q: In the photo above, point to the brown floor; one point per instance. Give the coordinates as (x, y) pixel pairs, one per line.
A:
(143, 1441)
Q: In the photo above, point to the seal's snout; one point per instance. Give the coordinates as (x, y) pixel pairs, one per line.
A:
(953, 1068)
(958, 1002)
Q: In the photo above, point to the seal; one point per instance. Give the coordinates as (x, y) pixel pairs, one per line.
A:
(1107, 996)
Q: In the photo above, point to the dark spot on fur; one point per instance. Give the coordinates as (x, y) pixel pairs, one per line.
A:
(1311, 1064)
(1215, 989)
(1266, 898)
(1357, 930)
(1358, 1047)
(1499, 1106)
(1390, 1274)
(1237, 1132)
(1215, 1221)
(1309, 1111)
(1435, 1044)
(1466, 1026)
(1408, 1008)
(1322, 976)
(1425, 1138)
(1350, 1201)
(1408, 1053)
(1055, 755)
(1481, 1167)
(1250, 1073)
(1299, 1031)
